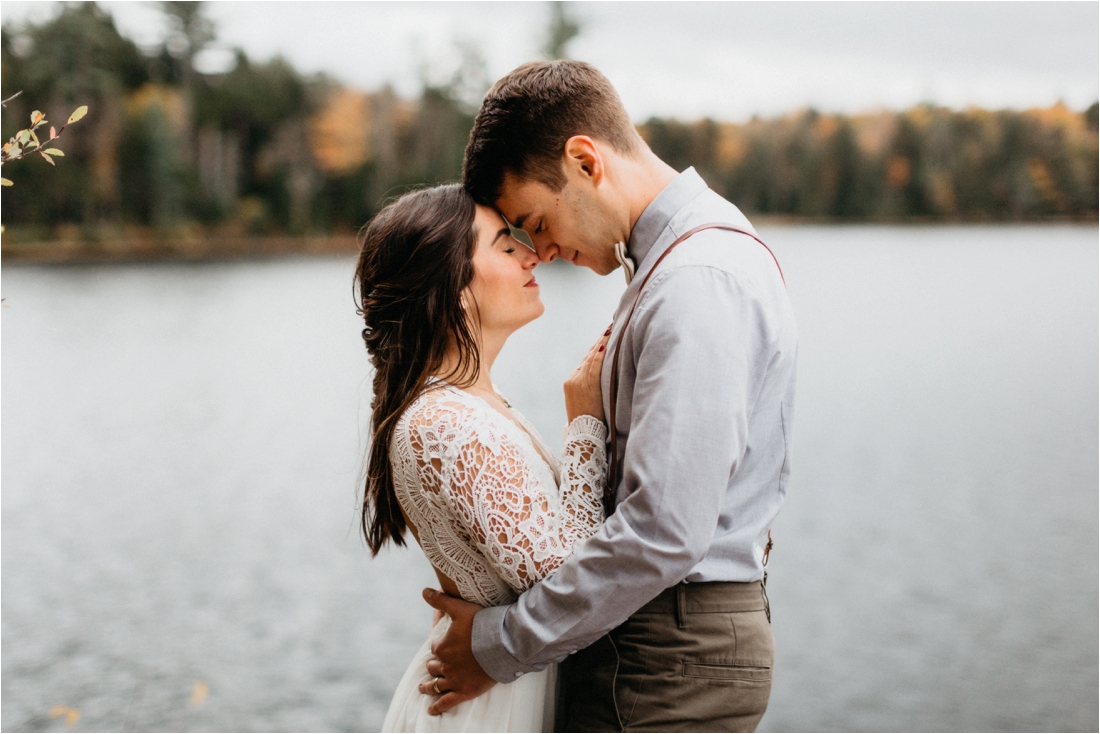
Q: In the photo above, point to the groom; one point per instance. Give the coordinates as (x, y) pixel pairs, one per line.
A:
(661, 617)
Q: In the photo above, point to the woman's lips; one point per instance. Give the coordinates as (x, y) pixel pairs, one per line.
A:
(531, 283)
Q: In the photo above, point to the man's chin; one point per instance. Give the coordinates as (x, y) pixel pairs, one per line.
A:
(596, 268)
(599, 268)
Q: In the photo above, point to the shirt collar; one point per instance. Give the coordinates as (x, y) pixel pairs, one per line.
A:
(660, 211)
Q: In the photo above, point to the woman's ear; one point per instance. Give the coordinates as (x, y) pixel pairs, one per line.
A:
(584, 160)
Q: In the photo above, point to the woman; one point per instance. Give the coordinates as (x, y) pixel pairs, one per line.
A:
(442, 285)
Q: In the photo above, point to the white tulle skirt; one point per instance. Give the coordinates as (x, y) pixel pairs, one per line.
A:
(525, 705)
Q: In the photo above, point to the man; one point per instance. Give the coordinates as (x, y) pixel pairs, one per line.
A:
(663, 613)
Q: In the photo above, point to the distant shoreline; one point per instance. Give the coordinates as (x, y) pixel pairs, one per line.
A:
(174, 249)
(221, 247)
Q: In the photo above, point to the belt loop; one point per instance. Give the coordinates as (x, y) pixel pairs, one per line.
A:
(681, 604)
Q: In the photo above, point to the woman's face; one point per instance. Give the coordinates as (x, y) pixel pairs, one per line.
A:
(504, 284)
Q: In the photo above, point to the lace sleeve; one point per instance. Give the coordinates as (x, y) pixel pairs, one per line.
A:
(584, 472)
(524, 528)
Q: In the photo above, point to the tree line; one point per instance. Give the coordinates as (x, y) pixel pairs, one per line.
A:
(258, 149)
(261, 149)
(925, 163)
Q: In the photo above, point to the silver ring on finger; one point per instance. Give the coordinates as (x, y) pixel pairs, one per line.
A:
(435, 686)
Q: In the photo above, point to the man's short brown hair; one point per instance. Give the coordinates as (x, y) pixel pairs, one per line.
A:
(527, 117)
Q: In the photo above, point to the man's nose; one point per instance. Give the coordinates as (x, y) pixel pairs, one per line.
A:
(547, 253)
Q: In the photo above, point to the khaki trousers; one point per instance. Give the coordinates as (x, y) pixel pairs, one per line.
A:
(699, 657)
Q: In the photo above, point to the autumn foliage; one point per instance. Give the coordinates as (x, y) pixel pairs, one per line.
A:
(926, 163)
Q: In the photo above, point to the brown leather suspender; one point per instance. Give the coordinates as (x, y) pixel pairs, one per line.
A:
(615, 464)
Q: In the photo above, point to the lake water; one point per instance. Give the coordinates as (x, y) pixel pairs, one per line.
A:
(182, 447)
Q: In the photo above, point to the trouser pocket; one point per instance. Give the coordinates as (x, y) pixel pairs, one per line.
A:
(709, 672)
(721, 671)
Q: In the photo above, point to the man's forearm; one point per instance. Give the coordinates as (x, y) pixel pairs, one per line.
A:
(487, 643)
(591, 593)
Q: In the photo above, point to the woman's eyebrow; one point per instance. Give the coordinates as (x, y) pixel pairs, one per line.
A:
(503, 231)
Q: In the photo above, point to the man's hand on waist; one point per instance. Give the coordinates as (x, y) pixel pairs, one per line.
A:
(457, 674)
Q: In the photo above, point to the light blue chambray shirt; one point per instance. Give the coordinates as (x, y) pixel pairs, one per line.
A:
(706, 394)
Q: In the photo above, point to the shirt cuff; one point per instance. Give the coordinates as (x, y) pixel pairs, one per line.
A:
(487, 642)
(586, 427)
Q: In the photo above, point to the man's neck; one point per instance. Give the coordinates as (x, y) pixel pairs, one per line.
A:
(648, 176)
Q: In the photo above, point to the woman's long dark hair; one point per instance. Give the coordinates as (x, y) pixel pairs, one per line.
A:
(415, 262)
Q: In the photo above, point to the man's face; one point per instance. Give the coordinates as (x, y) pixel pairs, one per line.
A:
(573, 224)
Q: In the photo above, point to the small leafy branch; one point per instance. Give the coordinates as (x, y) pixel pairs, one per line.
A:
(26, 142)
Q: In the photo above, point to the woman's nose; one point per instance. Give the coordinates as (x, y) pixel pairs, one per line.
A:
(530, 258)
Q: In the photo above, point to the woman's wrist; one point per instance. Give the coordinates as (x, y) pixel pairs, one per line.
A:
(586, 426)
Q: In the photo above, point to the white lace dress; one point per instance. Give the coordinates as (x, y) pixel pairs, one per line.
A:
(495, 513)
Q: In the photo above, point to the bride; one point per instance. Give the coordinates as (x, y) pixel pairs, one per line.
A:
(441, 286)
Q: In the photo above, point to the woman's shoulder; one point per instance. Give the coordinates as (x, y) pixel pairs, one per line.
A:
(440, 404)
(434, 427)
(443, 418)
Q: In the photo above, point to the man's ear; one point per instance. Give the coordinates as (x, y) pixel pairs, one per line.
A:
(583, 159)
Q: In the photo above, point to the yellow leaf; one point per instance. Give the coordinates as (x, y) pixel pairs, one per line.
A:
(54, 151)
(78, 113)
(199, 694)
(24, 136)
(5, 182)
(71, 715)
(36, 117)
(48, 159)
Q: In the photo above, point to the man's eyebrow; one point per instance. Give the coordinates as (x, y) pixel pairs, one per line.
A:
(501, 232)
(518, 224)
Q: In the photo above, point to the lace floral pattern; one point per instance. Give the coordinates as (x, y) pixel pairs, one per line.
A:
(494, 510)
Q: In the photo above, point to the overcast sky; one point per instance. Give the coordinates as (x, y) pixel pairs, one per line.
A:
(728, 60)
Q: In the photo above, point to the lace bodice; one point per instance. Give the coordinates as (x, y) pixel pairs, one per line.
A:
(493, 509)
